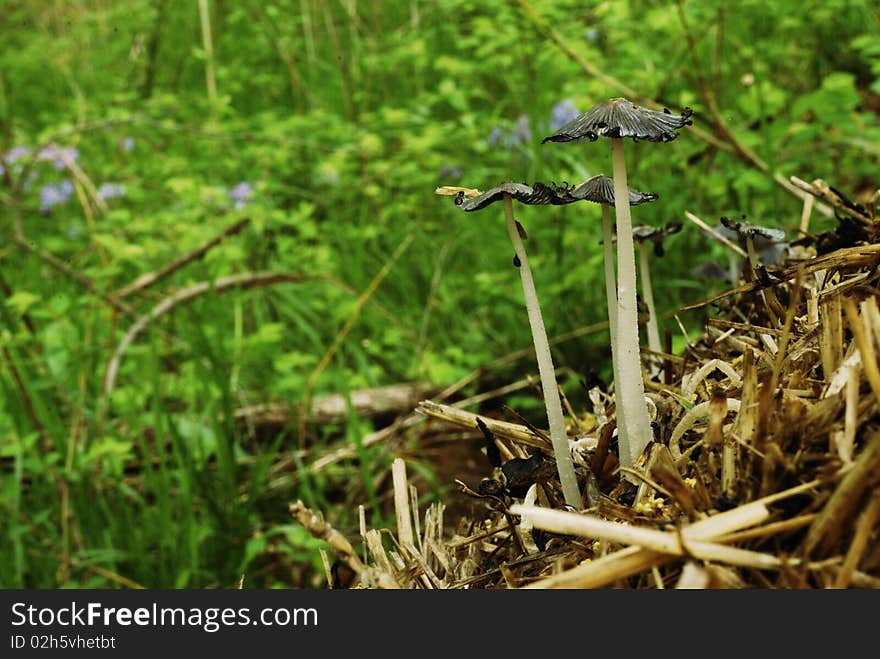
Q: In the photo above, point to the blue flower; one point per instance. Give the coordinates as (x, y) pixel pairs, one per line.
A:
(521, 133)
(592, 34)
(450, 172)
(110, 190)
(55, 194)
(562, 113)
(128, 143)
(58, 156)
(241, 194)
(17, 153)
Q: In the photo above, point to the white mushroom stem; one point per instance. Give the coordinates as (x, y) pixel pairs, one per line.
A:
(611, 294)
(552, 401)
(648, 294)
(630, 389)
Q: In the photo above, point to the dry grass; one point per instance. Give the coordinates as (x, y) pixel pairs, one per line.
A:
(764, 471)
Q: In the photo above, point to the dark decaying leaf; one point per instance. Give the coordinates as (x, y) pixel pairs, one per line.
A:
(747, 229)
(619, 117)
(492, 451)
(600, 189)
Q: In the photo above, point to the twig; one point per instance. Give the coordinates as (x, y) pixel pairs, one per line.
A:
(843, 503)
(864, 344)
(858, 256)
(716, 235)
(864, 528)
(821, 190)
(150, 278)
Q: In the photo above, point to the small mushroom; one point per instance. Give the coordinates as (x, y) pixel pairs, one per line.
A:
(537, 194)
(751, 233)
(757, 239)
(644, 235)
(616, 119)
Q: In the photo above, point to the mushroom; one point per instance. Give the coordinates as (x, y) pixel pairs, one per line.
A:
(537, 194)
(765, 238)
(600, 189)
(643, 235)
(616, 119)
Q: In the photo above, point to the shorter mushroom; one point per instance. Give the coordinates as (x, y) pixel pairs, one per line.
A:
(751, 233)
(643, 235)
(757, 239)
(540, 193)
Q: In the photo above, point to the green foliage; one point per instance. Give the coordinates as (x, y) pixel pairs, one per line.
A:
(332, 125)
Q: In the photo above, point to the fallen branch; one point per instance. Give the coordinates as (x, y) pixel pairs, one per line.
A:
(150, 278)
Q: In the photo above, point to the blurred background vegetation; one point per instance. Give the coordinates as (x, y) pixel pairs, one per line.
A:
(131, 133)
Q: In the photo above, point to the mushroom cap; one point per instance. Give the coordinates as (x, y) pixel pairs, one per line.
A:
(538, 194)
(749, 230)
(644, 233)
(619, 117)
(600, 189)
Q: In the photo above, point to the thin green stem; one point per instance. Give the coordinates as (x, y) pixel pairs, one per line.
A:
(648, 295)
(635, 434)
(552, 401)
(611, 297)
(208, 45)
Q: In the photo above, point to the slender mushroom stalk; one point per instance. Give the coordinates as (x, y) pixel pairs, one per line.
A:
(655, 235)
(539, 194)
(550, 388)
(610, 287)
(600, 189)
(617, 119)
(648, 296)
(631, 388)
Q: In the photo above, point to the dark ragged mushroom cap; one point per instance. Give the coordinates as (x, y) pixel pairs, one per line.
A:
(748, 230)
(619, 117)
(537, 194)
(600, 189)
(644, 233)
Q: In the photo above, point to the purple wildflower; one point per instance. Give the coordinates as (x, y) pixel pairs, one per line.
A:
(450, 172)
(55, 194)
(110, 190)
(17, 153)
(128, 143)
(521, 133)
(241, 194)
(58, 156)
(592, 34)
(562, 113)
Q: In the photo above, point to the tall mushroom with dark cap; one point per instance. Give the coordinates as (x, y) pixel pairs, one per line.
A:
(643, 235)
(617, 119)
(537, 194)
(600, 189)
